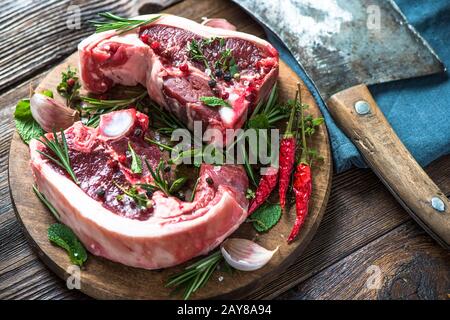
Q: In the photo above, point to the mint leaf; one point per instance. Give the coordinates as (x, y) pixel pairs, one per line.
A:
(64, 237)
(26, 126)
(23, 111)
(265, 217)
(136, 163)
(214, 102)
(259, 121)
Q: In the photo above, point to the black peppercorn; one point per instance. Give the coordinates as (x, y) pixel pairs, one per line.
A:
(137, 132)
(212, 83)
(167, 169)
(100, 192)
(227, 77)
(149, 193)
(181, 195)
(218, 73)
(209, 180)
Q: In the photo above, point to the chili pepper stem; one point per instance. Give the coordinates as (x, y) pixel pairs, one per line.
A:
(288, 133)
(304, 156)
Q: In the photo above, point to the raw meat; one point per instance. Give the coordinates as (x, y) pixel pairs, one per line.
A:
(157, 57)
(164, 234)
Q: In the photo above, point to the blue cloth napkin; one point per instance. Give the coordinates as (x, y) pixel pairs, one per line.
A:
(418, 109)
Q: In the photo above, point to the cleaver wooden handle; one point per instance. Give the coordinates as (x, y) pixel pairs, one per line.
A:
(357, 113)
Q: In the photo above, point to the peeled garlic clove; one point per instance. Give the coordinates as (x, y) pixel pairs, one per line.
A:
(245, 255)
(51, 114)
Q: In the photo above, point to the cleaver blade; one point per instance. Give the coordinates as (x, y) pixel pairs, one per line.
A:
(342, 43)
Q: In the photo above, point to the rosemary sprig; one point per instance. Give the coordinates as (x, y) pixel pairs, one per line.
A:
(166, 119)
(159, 182)
(113, 22)
(196, 275)
(61, 152)
(96, 104)
(97, 107)
(46, 202)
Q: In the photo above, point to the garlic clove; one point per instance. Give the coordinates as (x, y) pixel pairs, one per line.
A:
(245, 255)
(219, 23)
(51, 114)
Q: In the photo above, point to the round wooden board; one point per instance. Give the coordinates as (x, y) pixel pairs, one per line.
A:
(103, 279)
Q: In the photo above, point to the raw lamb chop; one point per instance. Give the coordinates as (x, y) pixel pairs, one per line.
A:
(157, 56)
(163, 233)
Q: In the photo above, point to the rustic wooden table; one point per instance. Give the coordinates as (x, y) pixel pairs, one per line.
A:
(367, 246)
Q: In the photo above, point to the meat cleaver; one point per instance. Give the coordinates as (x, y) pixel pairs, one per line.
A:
(344, 46)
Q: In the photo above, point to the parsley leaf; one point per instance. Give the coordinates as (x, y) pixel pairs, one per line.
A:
(214, 102)
(265, 217)
(136, 163)
(26, 126)
(64, 237)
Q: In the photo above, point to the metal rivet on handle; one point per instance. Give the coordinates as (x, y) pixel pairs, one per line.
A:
(437, 204)
(362, 107)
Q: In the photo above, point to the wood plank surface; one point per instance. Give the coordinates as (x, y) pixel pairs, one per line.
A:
(362, 218)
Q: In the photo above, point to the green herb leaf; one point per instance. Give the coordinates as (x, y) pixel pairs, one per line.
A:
(233, 67)
(64, 237)
(136, 163)
(196, 54)
(317, 121)
(177, 185)
(259, 121)
(214, 102)
(26, 126)
(48, 93)
(69, 88)
(140, 199)
(265, 217)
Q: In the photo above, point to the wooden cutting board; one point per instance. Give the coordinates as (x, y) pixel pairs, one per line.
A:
(104, 279)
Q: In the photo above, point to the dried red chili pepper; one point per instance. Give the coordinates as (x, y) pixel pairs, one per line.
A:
(302, 188)
(265, 188)
(302, 182)
(288, 145)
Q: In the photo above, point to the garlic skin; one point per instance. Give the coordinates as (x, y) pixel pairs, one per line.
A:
(51, 114)
(245, 255)
(219, 23)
